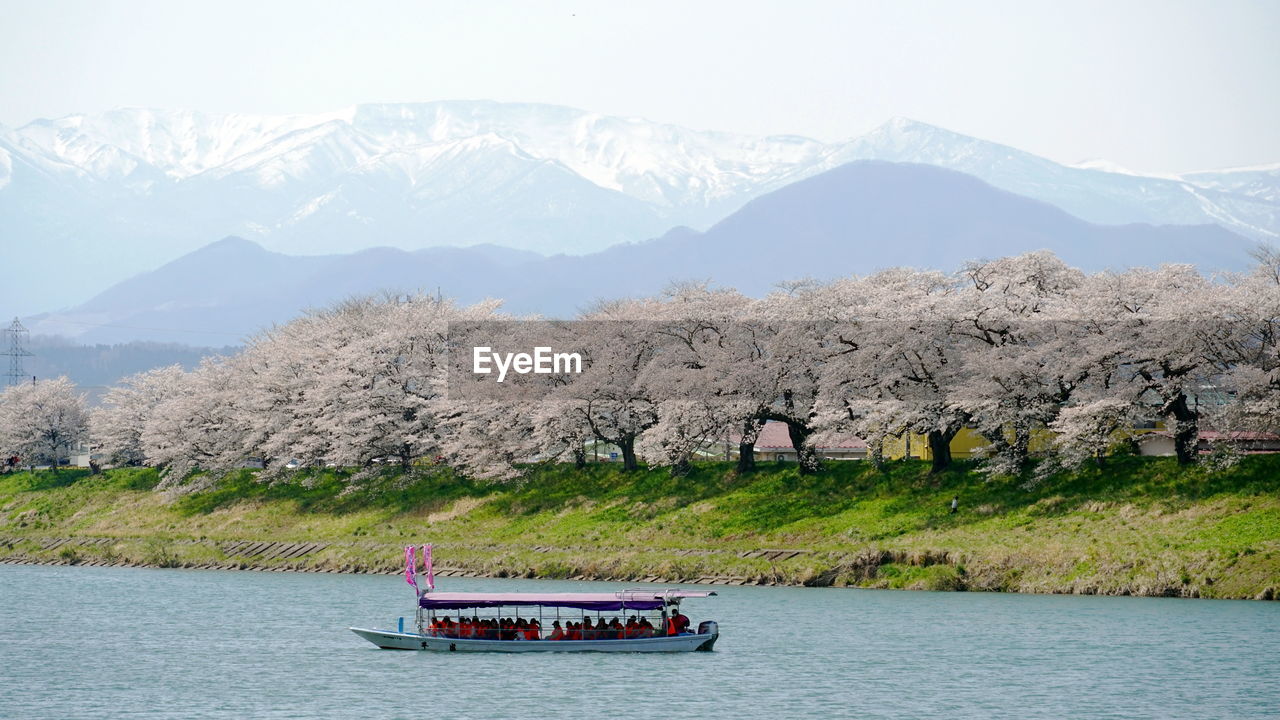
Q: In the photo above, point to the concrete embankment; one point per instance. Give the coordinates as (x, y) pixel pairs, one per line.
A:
(324, 557)
(868, 569)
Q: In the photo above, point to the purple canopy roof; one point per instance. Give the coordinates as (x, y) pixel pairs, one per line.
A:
(625, 600)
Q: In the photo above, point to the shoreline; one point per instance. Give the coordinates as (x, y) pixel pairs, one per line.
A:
(1139, 527)
(289, 557)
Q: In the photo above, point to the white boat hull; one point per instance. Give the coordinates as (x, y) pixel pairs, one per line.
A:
(392, 640)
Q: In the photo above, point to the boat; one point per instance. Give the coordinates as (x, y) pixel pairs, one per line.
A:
(545, 622)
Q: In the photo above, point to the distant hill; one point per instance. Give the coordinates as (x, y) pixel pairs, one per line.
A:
(858, 218)
(94, 368)
(226, 291)
(872, 215)
(98, 197)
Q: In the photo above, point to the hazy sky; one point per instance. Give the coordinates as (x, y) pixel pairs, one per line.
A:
(1157, 86)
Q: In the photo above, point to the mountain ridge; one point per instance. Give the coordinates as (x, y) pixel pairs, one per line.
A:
(857, 218)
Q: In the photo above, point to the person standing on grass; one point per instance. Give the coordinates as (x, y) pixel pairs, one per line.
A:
(955, 504)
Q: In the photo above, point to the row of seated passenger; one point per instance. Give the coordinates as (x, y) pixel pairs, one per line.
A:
(613, 630)
(521, 629)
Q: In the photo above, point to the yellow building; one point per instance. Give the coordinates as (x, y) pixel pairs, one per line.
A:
(964, 445)
(969, 443)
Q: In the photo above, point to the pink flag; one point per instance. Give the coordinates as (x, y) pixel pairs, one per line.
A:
(409, 575)
(431, 573)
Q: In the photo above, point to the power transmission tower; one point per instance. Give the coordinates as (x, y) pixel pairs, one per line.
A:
(16, 351)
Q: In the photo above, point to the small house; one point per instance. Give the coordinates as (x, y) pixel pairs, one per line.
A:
(774, 443)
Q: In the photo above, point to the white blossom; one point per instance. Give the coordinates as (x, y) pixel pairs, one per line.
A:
(41, 422)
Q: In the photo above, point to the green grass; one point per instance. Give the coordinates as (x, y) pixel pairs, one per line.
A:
(1138, 526)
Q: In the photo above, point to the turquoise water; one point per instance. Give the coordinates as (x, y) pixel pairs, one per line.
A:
(138, 643)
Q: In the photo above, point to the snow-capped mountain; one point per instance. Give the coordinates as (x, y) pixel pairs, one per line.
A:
(97, 197)
(1260, 182)
(1096, 192)
(683, 176)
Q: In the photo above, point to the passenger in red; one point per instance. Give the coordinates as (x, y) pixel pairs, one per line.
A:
(557, 633)
(682, 622)
(588, 632)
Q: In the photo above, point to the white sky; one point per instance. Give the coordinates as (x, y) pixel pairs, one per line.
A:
(1155, 86)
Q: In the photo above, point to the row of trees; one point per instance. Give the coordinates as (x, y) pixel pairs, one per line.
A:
(1011, 347)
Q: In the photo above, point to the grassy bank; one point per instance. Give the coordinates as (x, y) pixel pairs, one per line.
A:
(1141, 526)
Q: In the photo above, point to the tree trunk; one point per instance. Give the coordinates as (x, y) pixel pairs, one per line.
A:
(806, 455)
(875, 451)
(1021, 445)
(681, 467)
(628, 447)
(940, 448)
(1186, 431)
(746, 457)
(747, 444)
(579, 458)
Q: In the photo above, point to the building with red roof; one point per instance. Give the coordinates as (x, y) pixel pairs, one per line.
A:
(774, 443)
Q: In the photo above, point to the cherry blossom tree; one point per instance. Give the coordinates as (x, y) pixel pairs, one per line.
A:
(899, 367)
(1089, 431)
(118, 423)
(41, 422)
(1247, 348)
(1156, 327)
(1020, 351)
(283, 370)
(609, 398)
(705, 375)
(199, 427)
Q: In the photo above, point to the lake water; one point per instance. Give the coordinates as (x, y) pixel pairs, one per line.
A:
(140, 643)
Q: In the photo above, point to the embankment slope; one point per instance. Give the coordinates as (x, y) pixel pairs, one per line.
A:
(1140, 526)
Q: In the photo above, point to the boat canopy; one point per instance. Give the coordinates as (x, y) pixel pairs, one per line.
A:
(624, 600)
